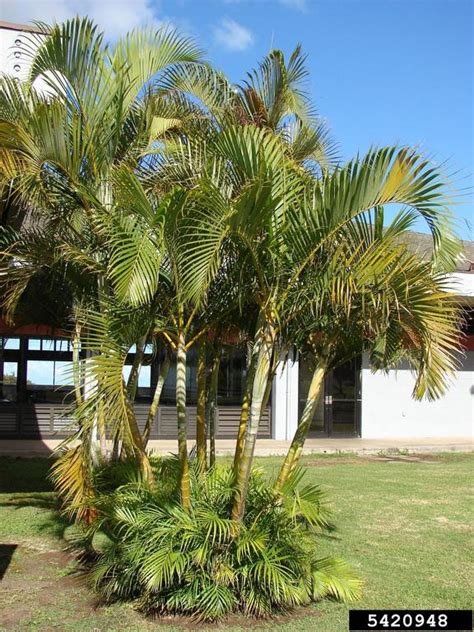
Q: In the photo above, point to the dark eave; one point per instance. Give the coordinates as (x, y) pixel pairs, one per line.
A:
(11, 26)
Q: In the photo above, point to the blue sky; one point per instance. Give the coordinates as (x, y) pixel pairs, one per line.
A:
(382, 71)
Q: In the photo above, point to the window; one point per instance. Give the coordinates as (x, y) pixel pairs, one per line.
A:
(232, 373)
(10, 343)
(231, 382)
(9, 353)
(48, 380)
(8, 382)
(49, 344)
(39, 370)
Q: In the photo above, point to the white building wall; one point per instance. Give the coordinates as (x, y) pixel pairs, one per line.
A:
(16, 47)
(389, 411)
(285, 400)
(462, 284)
(13, 56)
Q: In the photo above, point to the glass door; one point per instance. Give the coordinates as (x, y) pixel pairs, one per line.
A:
(338, 408)
(343, 400)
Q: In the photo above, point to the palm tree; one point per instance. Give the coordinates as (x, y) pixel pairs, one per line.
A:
(265, 129)
(243, 194)
(283, 221)
(274, 98)
(375, 296)
(65, 152)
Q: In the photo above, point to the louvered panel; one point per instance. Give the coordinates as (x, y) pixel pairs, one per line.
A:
(36, 420)
(168, 422)
(47, 420)
(265, 428)
(142, 415)
(141, 412)
(62, 422)
(229, 418)
(8, 416)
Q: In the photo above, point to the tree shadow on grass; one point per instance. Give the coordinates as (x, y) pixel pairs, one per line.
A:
(6, 555)
(19, 474)
(25, 484)
(51, 522)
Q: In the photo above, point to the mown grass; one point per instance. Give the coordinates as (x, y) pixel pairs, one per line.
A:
(403, 522)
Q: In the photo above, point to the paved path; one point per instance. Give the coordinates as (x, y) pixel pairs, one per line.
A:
(267, 447)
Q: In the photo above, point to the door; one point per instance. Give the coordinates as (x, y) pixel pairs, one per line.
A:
(343, 400)
(338, 408)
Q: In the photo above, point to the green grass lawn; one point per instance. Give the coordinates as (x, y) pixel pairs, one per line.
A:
(403, 523)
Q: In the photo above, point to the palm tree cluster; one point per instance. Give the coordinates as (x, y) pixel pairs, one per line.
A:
(166, 206)
(147, 548)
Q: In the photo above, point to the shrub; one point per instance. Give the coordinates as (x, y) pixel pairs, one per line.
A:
(201, 563)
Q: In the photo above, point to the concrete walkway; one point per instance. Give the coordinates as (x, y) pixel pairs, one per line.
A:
(267, 447)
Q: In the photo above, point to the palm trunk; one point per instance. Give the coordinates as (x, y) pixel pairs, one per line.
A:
(132, 383)
(90, 384)
(268, 388)
(201, 437)
(164, 368)
(258, 392)
(294, 452)
(245, 410)
(182, 422)
(76, 367)
(138, 448)
(211, 412)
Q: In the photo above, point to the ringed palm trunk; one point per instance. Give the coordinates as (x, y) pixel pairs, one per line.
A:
(132, 383)
(294, 452)
(262, 372)
(245, 410)
(76, 366)
(211, 406)
(185, 484)
(138, 448)
(201, 433)
(90, 384)
(164, 369)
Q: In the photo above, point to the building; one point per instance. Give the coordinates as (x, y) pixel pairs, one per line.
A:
(34, 390)
(360, 403)
(17, 43)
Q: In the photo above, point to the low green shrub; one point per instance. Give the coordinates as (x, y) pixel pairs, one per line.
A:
(149, 550)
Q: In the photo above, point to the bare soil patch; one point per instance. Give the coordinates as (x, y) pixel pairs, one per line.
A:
(36, 579)
(361, 459)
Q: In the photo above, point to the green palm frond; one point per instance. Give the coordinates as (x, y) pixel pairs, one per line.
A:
(385, 176)
(200, 235)
(279, 89)
(198, 563)
(145, 52)
(310, 145)
(307, 503)
(335, 578)
(202, 82)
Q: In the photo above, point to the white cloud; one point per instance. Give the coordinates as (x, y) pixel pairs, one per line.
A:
(232, 35)
(114, 16)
